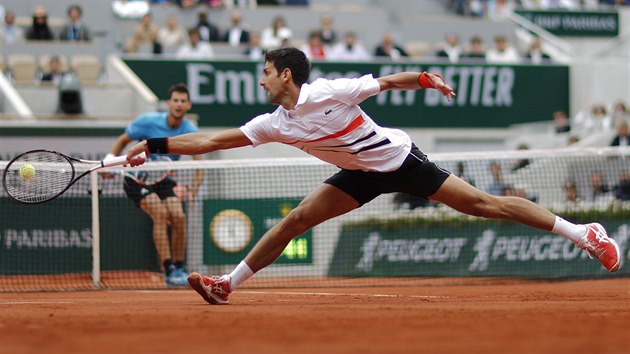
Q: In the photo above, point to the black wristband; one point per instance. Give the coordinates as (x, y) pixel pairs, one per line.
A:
(158, 145)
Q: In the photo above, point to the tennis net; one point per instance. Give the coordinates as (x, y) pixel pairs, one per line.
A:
(95, 237)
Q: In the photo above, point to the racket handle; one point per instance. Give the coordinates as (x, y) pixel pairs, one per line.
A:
(119, 160)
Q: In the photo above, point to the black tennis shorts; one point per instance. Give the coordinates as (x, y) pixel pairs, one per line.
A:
(137, 192)
(417, 175)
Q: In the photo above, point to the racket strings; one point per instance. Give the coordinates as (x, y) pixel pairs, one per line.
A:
(48, 175)
(158, 170)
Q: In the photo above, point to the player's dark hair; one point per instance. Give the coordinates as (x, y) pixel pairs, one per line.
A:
(292, 59)
(181, 88)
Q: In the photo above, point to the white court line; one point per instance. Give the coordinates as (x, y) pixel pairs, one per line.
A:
(35, 302)
(342, 294)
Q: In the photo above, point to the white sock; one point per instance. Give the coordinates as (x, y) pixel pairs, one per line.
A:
(569, 230)
(241, 273)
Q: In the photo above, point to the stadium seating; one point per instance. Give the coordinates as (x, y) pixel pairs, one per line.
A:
(23, 67)
(87, 68)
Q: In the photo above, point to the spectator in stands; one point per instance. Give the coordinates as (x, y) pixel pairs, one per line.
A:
(591, 122)
(460, 172)
(476, 49)
(75, 30)
(616, 3)
(161, 2)
(512, 191)
(623, 136)
(561, 122)
(40, 30)
(620, 112)
(236, 34)
(535, 53)
(601, 117)
(599, 190)
(172, 35)
(9, 31)
(451, 49)
(327, 33)
(478, 8)
(502, 53)
(272, 37)
(501, 9)
(570, 192)
(208, 32)
(144, 38)
(254, 51)
(54, 74)
(517, 165)
(622, 189)
(196, 48)
(497, 186)
(160, 201)
(187, 4)
(389, 49)
(241, 3)
(314, 49)
(350, 49)
(572, 140)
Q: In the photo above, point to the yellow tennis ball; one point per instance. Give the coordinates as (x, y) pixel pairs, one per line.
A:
(27, 171)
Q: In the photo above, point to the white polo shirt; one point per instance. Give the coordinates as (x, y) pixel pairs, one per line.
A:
(328, 124)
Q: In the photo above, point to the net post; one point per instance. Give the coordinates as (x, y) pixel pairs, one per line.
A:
(96, 236)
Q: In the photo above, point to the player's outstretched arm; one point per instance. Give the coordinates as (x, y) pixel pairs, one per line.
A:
(414, 81)
(189, 144)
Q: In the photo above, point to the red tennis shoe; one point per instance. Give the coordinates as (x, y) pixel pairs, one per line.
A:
(597, 243)
(214, 290)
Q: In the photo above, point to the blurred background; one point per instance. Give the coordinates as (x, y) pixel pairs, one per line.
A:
(537, 73)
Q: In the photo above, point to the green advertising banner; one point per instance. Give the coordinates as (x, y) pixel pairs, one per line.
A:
(575, 23)
(227, 94)
(56, 237)
(234, 226)
(469, 249)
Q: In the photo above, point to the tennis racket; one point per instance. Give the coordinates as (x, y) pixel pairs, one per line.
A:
(155, 170)
(39, 176)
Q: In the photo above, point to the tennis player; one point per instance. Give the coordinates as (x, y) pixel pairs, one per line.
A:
(160, 201)
(323, 119)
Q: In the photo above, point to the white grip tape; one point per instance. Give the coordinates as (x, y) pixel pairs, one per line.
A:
(120, 160)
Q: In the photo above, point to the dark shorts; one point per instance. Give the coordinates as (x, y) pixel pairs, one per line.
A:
(417, 175)
(137, 192)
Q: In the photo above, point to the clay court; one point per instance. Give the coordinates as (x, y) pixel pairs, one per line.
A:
(426, 315)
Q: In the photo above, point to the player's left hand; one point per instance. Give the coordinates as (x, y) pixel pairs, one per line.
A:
(443, 88)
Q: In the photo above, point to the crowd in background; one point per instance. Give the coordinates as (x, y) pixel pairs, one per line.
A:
(322, 43)
(195, 41)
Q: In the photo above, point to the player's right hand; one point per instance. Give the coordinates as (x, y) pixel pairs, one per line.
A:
(133, 154)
